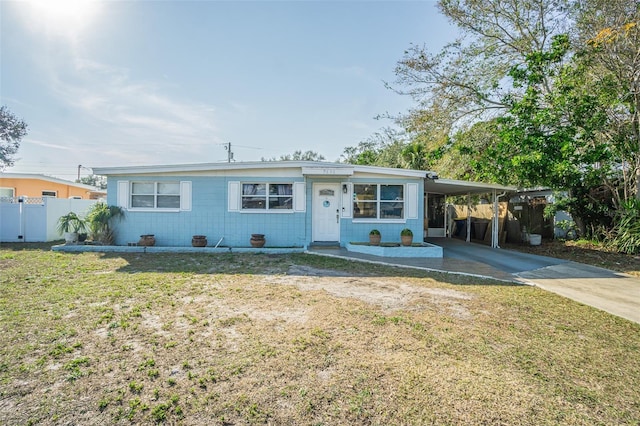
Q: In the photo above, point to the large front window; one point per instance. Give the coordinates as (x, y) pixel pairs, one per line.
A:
(378, 201)
(155, 195)
(267, 196)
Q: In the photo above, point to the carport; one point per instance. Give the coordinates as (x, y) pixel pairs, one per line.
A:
(437, 189)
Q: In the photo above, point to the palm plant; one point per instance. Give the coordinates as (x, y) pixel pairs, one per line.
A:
(100, 218)
(69, 225)
(71, 222)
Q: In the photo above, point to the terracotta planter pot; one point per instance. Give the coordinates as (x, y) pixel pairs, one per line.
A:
(199, 241)
(257, 240)
(374, 240)
(147, 240)
(406, 240)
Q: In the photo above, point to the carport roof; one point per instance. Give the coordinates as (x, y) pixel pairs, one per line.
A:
(461, 187)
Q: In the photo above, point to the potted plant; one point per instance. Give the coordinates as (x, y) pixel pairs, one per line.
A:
(147, 240)
(257, 240)
(100, 219)
(374, 237)
(406, 236)
(199, 241)
(69, 225)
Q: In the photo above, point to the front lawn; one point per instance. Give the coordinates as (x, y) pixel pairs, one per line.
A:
(298, 339)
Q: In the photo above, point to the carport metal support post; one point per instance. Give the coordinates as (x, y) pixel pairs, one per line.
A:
(496, 220)
(468, 217)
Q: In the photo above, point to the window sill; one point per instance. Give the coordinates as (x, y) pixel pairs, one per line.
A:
(264, 211)
(148, 210)
(379, 220)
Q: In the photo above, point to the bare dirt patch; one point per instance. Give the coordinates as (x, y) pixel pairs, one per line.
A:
(391, 295)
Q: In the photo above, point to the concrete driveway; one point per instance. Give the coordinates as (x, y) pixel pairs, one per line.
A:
(613, 292)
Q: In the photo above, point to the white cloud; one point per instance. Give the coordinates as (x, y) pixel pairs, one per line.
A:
(137, 114)
(46, 144)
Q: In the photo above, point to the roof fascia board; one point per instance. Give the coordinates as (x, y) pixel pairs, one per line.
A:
(314, 168)
(200, 167)
(47, 179)
(461, 187)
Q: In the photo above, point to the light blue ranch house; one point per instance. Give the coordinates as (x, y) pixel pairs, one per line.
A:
(293, 203)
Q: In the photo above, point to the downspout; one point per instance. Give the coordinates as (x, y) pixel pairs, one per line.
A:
(495, 234)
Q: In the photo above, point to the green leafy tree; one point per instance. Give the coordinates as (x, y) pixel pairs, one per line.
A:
(551, 135)
(467, 83)
(298, 156)
(12, 130)
(460, 157)
(384, 149)
(99, 182)
(608, 33)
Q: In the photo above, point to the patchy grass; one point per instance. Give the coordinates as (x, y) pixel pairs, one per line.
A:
(296, 339)
(587, 252)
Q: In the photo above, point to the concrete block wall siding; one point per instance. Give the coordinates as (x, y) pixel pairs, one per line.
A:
(357, 230)
(209, 215)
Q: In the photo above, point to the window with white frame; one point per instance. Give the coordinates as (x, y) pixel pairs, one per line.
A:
(7, 193)
(155, 195)
(378, 201)
(50, 194)
(267, 196)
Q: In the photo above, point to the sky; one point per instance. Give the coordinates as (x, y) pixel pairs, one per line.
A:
(120, 83)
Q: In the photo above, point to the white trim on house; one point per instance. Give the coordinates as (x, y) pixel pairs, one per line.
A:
(461, 187)
(411, 200)
(304, 168)
(347, 199)
(124, 197)
(307, 168)
(233, 196)
(185, 196)
(123, 194)
(299, 196)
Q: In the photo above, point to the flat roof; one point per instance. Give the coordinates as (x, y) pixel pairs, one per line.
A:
(306, 167)
(315, 168)
(462, 187)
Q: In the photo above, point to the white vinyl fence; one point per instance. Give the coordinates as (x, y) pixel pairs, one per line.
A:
(33, 220)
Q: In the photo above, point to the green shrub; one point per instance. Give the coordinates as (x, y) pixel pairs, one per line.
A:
(625, 236)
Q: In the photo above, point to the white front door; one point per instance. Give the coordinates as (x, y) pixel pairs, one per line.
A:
(326, 212)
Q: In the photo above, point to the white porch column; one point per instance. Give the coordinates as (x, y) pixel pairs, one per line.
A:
(468, 217)
(447, 227)
(495, 234)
